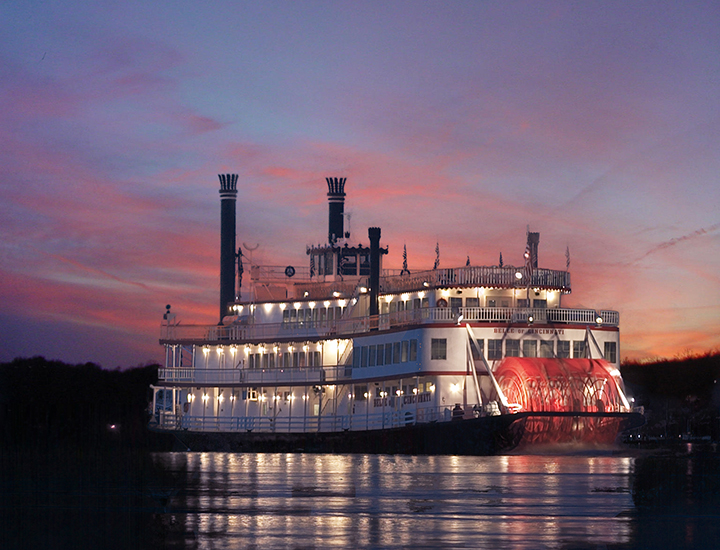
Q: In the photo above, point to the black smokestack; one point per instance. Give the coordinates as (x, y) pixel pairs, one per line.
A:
(374, 235)
(336, 200)
(228, 197)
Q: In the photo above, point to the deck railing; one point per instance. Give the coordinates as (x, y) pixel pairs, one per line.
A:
(501, 277)
(318, 330)
(167, 420)
(257, 377)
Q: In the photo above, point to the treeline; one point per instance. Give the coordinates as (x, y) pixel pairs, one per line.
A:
(681, 396)
(50, 405)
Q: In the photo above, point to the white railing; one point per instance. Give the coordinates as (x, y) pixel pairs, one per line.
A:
(303, 424)
(259, 377)
(503, 277)
(318, 330)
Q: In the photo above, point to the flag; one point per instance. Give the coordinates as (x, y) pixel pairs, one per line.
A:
(467, 263)
(501, 261)
(239, 273)
(405, 269)
(567, 258)
(312, 265)
(437, 256)
(528, 264)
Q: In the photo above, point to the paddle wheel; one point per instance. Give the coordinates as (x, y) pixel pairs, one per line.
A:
(564, 385)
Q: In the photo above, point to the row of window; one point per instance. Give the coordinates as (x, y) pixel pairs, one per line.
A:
(456, 302)
(312, 316)
(391, 353)
(541, 348)
(284, 360)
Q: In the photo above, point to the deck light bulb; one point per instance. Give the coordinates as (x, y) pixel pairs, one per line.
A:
(598, 320)
(336, 294)
(326, 303)
(518, 275)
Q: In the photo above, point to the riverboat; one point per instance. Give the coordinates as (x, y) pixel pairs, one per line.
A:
(342, 355)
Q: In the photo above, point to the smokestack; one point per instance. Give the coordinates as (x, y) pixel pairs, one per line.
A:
(374, 235)
(336, 200)
(228, 197)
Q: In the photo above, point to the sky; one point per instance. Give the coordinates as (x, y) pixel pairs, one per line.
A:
(596, 124)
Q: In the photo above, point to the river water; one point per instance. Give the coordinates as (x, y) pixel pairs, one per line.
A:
(303, 501)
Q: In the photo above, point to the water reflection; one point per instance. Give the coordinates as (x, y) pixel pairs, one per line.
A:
(222, 500)
(308, 501)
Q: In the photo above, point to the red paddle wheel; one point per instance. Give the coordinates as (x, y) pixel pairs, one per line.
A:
(563, 385)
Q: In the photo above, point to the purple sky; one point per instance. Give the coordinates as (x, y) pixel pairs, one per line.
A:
(595, 123)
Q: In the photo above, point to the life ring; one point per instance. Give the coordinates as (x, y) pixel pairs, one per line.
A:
(442, 302)
(289, 271)
(186, 407)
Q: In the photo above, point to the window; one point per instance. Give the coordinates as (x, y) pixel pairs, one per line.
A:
(360, 392)
(380, 355)
(546, 348)
(563, 349)
(523, 302)
(512, 348)
(491, 303)
(438, 348)
(505, 303)
(579, 349)
(286, 316)
(494, 349)
(426, 302)
(456, 303)
(480, 347)
(413, 350)
(271, 360)
(363, 356)
(472, 302)
(404, 352)
(286, 360)
(371, 356)
(416, 303)
(611, 352)
(388, 354)
(301, 359)
(317, 358)
(396, 352)
(540, 304)
(529, 348)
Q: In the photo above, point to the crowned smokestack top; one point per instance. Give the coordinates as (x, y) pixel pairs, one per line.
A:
(228, 196)
(336, 203)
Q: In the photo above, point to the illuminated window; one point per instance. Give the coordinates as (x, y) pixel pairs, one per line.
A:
(404, 352)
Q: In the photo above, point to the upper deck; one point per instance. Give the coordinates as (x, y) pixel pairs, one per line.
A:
(355, 326)
(319, 287)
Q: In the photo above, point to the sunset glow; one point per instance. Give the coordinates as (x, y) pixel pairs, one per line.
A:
(596, 124)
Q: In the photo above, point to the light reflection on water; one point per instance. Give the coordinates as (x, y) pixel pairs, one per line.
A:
(369, 501)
